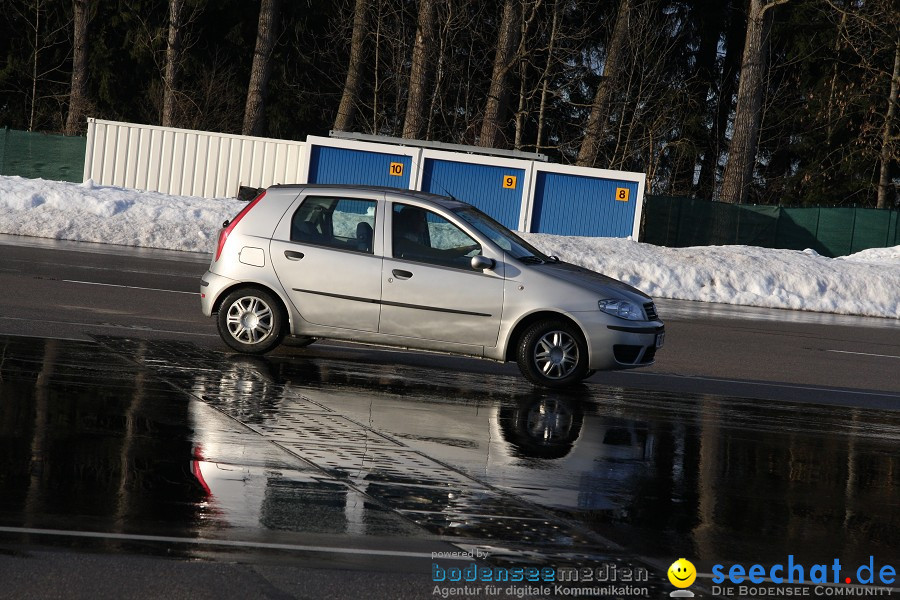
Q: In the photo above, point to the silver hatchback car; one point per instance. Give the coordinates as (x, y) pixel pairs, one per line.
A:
(418, 271)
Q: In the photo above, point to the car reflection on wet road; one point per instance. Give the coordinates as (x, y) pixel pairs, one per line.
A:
(164, 438)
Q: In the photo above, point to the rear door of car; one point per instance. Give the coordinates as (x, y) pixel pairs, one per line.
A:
(327, 252)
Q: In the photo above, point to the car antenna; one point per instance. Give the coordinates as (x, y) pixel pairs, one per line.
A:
(446, 191)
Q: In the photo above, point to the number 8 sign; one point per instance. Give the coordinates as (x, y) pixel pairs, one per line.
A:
(622, 194)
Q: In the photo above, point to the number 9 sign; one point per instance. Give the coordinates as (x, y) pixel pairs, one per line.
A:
(509, 182)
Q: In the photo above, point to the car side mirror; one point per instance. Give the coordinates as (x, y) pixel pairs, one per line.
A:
(481, 262)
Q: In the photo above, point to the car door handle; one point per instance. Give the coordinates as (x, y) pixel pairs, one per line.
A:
(401, 274)
(291, 255)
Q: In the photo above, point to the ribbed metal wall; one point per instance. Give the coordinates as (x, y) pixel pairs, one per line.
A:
(342, 165)
(579, 205)
(477, 184)
(185, 162)
(544, 198)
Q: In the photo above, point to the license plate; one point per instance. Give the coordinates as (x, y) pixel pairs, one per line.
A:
(660, 339)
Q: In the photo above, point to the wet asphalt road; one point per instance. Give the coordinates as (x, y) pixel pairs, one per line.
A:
(133, 444)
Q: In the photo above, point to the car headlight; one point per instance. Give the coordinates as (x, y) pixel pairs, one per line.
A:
(622, 308)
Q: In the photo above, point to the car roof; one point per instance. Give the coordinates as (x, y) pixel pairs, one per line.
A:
(445, 201)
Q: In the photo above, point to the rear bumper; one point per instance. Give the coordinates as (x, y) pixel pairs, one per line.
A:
(211, 287)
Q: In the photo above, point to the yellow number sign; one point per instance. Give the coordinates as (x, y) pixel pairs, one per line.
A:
(509, 182)
(622, 194)
(396, 169)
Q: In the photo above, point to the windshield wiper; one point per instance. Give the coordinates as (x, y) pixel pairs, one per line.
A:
(534, 260)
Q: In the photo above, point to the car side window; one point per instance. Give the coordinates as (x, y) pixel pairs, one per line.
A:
(425, 236)
(342, 223)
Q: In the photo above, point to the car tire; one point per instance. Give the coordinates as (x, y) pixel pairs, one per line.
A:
(552, 354)
(251, 321)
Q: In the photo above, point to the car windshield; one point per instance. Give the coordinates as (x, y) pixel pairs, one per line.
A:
(500, 235)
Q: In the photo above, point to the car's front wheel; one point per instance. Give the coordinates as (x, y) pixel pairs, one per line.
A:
(552, 354)
(251, 321)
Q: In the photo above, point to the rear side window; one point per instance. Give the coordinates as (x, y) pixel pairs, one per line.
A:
(342, 223)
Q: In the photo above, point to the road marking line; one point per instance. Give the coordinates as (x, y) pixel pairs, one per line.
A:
(107, 325)
(214, 542)
(130, 287)
(864, 353)
(765, 384)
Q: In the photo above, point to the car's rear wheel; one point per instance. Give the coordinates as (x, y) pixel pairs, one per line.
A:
(251, 321)
(552, 354)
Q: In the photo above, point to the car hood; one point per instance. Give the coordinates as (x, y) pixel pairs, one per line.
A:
(590, 279)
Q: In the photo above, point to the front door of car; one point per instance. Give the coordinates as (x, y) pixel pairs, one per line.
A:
(327, 255)
(429, 289)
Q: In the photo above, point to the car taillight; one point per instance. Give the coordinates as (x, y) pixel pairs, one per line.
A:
(230, 225)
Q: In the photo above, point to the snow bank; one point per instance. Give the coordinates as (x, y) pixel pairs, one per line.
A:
(866, 283)
(90, 213)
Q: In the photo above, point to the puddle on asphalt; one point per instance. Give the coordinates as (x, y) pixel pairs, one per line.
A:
(177, 439)
(91, 442)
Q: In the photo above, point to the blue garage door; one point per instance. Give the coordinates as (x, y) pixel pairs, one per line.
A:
(494, 190)
(586, 206)
(342, 165)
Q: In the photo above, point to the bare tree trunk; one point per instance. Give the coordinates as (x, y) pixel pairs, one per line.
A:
(376, 87)
(34, 63)
(545, 78)
(748, 113)
(520, 110)
(735, 33)
(884, 179)
(439, 74)
(78, 96)
(173, 58)
(495, 108)
(587, 154)
(835, 72)
(418, 72)
(347, 109)
(254, 114)
(710, 17)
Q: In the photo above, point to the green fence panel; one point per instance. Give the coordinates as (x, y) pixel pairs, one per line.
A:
(836, 230)
(42, 155)
(723, 225)
(871, 229)
(693, 223)
(895, 223)
(757, 225)
(660, 220)
(798, 229)
(703, 223)
(679, 222)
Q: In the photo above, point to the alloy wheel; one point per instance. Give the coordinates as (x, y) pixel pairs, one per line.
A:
(250, 320)
(556, 354)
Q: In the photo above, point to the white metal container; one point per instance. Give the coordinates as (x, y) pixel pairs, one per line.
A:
(185, 162)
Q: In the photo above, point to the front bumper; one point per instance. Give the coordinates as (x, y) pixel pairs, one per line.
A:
(619, 344)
